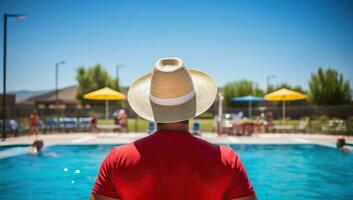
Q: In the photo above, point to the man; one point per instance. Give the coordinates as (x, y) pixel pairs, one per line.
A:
(341, 145)
(33, 124)
(116, 119)
(123, 120)
(172, 163)
(94, 123)
(36, 147)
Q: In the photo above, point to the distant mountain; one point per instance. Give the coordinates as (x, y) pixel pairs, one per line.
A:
(23, 94)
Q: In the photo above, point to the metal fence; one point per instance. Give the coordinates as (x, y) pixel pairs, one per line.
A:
(297, 112)
(292, 112)
(21, 113)
(24, 111)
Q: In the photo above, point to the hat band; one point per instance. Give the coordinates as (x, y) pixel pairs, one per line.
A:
(173, 101)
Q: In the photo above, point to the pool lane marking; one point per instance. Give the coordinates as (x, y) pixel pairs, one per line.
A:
(83, 139)
(301, 140)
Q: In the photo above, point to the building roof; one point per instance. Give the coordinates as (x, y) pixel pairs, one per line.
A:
(66, 95)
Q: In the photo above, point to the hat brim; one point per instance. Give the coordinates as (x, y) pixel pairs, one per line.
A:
(139, 99)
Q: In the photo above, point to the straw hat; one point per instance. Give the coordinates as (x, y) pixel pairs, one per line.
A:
(171, 93)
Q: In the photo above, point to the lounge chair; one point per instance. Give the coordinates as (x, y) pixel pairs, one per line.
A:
(303, 126)
(196, 128)
(84, 124)
(68, 124)
(283, 128)
(51, 125)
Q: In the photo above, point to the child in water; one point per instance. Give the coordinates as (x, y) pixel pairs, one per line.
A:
(36, 149)
(340, 143)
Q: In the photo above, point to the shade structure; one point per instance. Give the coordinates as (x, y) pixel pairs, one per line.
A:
(248, 99)
(105, 94)
(284, 95)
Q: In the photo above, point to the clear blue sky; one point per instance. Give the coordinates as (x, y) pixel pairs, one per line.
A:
(231, 40)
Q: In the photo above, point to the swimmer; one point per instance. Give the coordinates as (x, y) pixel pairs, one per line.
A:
(37, 147)
(340, 143)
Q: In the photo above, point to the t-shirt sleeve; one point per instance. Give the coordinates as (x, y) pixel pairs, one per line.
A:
(104, 184)
(240, 185)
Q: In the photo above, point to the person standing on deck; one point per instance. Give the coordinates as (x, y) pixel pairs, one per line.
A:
(116, 119)
(123, 120)
(94, 123)
(34, 124)
(172, 163)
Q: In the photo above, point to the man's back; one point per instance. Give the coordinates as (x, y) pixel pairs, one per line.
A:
(172, 165)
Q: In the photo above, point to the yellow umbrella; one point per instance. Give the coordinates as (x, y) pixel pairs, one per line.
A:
(284, 95)
(105, 94)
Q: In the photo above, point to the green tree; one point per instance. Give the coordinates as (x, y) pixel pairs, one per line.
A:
(91, 79)
(298, 88)
(240, 88)
(328, 87)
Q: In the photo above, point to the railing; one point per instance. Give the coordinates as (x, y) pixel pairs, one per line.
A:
(321, 117)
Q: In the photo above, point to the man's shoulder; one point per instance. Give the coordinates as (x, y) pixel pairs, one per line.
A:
(121, 151)
(122, 148)
(227, 150)
(229, 156)
(129, 148)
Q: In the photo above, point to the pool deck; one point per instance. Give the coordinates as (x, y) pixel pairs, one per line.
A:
(123, 138)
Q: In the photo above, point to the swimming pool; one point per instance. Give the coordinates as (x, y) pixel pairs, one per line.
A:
(276, 171)
(5, 147)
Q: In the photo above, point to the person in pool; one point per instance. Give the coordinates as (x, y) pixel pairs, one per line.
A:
(172, 163)
(36, 149)
(341, 145)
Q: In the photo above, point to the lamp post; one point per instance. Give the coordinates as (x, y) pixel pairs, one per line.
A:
(57, 64)
(268, 78)
(117, 74)
(220, 113)
(6, 15)
(118, 79)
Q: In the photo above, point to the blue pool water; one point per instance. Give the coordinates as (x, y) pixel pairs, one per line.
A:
(13, 146)
(276, 171)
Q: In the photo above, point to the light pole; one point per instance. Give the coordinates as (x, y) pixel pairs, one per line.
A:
(117, 74)
(268, 78)
(57, 64)
(220, 113)
(6, 15)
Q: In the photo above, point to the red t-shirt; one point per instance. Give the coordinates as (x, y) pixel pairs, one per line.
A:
(172, 165)
(33, 120)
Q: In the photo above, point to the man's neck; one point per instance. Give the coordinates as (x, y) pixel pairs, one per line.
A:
(176, 126)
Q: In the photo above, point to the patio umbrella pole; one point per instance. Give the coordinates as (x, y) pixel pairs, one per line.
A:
(106, 109)
(250, 111)
(283, 110)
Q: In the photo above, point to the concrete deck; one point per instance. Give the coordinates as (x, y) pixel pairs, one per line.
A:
(116, 138)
